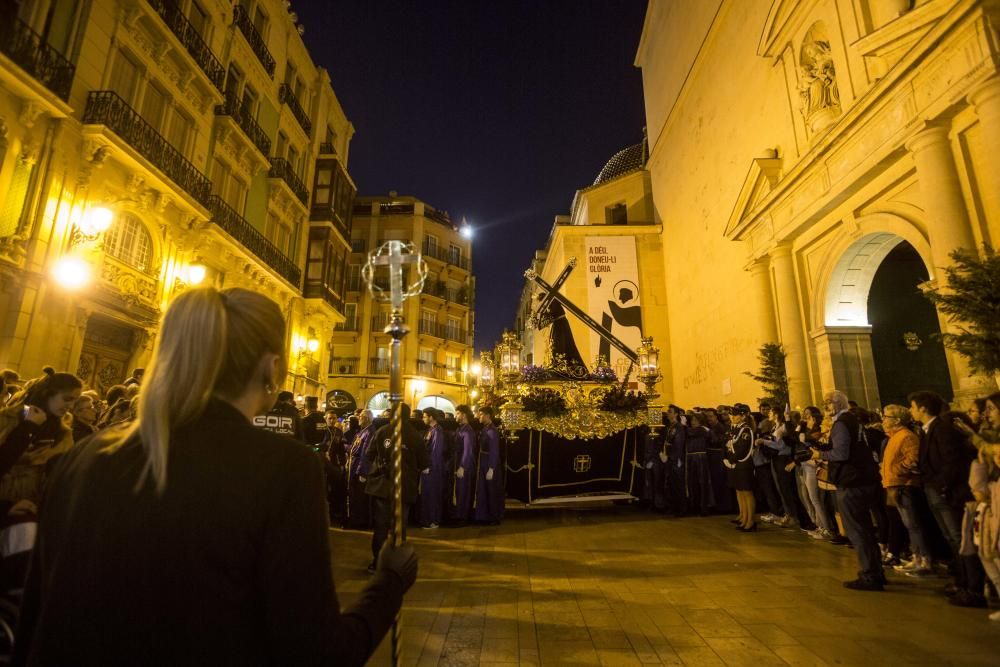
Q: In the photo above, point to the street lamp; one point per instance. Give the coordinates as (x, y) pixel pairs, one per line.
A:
(508, 355)
(71, 272)
(415, 387)
(649, 374)
(486, 371)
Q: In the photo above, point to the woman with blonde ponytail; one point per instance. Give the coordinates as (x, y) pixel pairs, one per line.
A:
(188, 534)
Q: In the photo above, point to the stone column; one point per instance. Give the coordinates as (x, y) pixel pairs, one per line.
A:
(790, 325)
(947, 227)
(986, 99)
(760, 273)
(947, 219)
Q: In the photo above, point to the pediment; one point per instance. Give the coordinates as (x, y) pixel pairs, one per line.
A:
(782, 20)
(886, 46)
(763, 175)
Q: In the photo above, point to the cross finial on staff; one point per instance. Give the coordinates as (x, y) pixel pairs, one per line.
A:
(395, 254)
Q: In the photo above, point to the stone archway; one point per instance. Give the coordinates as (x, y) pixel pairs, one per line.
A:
(875, 283)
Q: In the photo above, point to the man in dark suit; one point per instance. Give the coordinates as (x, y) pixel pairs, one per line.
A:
(945, 456)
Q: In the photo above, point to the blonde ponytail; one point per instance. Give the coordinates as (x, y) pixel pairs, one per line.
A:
(210, 344)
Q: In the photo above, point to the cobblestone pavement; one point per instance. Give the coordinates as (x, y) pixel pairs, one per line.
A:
(616, 586)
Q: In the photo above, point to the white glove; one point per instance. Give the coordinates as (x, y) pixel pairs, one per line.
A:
(663, 457)
(684, 420)
(489, 475)
(425, 471)
(460, 473)
(649, 466)
(362, 478)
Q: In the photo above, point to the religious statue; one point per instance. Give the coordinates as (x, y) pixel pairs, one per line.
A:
(818, 90)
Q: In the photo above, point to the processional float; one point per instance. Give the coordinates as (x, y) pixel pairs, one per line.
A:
(396, 255)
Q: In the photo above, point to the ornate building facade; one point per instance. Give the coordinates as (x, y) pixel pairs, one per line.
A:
(617, 244)
(813, 164)
(437, 352)
(150, 145)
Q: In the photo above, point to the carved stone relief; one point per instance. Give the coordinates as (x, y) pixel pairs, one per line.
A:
(818, 92)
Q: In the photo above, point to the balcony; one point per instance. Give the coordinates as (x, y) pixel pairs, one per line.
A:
(444, 255)
(359, 245)
(287, 96)
(309, 367)
(380, 322)
(443, 331)
(395, 209)
(448, 374)
(241, 115)
(332, 195)
(378, 366)
(424, 367)
(247, 235)
(348, 325)
(344, 365)
(441, 290)
(104, 107)
(242, 21)
(282, 169)
(314, 289)
(32, 54)
(438, 216)
(192, 40)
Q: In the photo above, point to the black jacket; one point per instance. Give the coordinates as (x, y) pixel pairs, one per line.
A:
(282, 419)
(415, 459)
(230, 566)
(945, 456)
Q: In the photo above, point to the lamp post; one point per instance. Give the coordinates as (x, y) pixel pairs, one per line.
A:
(649, 374)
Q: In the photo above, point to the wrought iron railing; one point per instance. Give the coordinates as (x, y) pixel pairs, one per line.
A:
(448, 374)
(316, 289)
(105, 107)
(424, 367)
(310, 367)
(395, 209)
(344, 365)
(347, 325)
(437, 216)
(378, 366)
(359, 245)
(191, 39)
(445, 255)
(380, 322)
(282, 168)
(239, 112)
(250, 238)
(35, 56)
(242, 20)
(441, 290)
(444, 331)
(287, 96)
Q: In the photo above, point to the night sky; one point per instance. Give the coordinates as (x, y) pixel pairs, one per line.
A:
(494, 110)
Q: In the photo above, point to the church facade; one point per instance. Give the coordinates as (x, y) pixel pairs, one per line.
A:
(813, 163)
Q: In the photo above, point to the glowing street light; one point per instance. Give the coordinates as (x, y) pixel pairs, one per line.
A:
(195, 274)
(71, 272)
(96, 221)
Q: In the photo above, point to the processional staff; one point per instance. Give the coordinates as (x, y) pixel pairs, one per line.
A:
(394, 255)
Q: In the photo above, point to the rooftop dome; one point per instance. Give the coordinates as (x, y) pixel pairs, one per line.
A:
(624, 161)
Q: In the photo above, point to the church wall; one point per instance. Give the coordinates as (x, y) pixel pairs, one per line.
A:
(735, 109)
(909, 153)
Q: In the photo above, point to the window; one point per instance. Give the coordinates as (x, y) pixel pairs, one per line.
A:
(290, 75)
(451, 364)
(234, 81)
(199, 20)
(260, 23)
(425, 361)
(181, 133)
(432, 243)
(454, 254)
(616, 215)
(219, 175)
(279, 234)
(236, 194)
(124, 77)
(454, 328)
(250, 98)
(354, 278)
(351, 316)
(293, 159)
(323, 187)
(129, 240)
(427, 321)
(317, 252)
(280, 144)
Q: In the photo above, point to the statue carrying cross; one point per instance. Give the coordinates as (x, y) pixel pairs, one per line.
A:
(551, 293)
(395, 255)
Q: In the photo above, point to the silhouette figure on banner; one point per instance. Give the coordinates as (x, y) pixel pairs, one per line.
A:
(620, 313)
(561, 341)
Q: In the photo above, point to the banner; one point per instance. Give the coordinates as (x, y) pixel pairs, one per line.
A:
(613, 296)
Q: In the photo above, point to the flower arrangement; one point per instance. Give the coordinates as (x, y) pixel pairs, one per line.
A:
(533, 374)
(604, 374)
(544, 402)
(619, 400)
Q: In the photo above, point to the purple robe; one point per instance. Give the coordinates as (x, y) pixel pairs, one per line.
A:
(432, 483)
(465, 438)
(489, 493)
(358, 502)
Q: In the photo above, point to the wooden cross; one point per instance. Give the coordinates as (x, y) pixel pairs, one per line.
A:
(552, 294)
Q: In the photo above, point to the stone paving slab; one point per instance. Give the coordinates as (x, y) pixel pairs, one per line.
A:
(617, 586)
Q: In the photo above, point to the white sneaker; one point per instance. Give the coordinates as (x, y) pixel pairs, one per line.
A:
(786, 522)
(432, 526)
(908, 565)
(768, 518)
(817, 534)
(827, 534)
(995, 616)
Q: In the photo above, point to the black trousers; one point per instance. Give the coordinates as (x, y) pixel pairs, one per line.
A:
(767, 489)
(787, 490)
(382, 520)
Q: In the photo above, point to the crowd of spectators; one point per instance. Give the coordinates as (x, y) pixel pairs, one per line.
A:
(913, 489)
